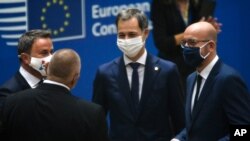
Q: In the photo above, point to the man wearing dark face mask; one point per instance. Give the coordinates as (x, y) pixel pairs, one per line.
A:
(217, 96)
(141, 93)
(50, 112)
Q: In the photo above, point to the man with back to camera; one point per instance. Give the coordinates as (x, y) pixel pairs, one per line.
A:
(141, 93)
(217, 96)
(50, 111)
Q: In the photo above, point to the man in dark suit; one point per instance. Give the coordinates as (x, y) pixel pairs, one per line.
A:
(34, 50)
(144, 103)
(50, 112)
(217, 97)
(170, 18)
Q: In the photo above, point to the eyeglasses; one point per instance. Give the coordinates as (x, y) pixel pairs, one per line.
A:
(191, 42)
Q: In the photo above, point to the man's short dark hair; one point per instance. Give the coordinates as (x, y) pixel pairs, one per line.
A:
(130, 13)
(27, 39)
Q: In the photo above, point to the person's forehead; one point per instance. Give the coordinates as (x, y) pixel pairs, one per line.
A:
(132, 22)
(194, 33)
(191, 35)
(42, 43)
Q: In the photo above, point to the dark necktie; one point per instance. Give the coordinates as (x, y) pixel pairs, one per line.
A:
(135, 84)
(198, 82)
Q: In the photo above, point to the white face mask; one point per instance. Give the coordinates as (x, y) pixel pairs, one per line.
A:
(39, 64)
(130, 47)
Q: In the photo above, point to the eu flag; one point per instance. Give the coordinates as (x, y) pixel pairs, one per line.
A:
(13, 21)
(64, 18)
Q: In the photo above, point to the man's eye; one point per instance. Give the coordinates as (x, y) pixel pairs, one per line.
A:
(132, 35)
(192, 41)
(121, 36)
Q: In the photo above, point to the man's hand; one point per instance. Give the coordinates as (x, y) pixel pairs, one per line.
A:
(214, 21)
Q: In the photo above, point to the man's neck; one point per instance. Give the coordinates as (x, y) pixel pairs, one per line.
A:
(32, 71)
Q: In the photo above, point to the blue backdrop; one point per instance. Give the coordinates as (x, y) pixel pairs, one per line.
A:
(88, 27)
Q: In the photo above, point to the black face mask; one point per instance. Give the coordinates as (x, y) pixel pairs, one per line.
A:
(192, 56)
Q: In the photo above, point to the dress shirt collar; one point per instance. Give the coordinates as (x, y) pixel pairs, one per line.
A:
(56, 83)
(31, 79)
(205, 72)
(141, 60)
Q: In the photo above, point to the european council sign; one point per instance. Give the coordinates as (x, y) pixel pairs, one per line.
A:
(18, 16)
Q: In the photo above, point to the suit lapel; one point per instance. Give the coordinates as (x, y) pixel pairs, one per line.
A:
(190, 87)
(206, 90)
(22, 82)
(150, 74)
(122, 80)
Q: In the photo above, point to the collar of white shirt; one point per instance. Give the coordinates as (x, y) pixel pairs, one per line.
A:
(55, 83)
(31, 79)
(205, 72)
(141, 60)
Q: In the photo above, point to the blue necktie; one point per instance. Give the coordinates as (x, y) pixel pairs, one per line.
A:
(135, 84)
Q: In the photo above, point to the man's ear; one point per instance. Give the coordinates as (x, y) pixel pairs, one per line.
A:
(146, 33)
(75, 80)
(212, 46)
(25, 58)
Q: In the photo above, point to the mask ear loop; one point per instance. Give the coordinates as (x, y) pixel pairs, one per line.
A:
(23, 57)
(204, 57)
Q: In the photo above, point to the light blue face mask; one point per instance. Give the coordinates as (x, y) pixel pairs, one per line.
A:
(192, 55)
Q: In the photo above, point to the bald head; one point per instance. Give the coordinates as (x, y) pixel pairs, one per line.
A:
(201, 35)
(201, 30)
(64, 66)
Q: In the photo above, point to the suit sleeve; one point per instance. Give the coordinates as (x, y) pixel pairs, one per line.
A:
(176, 101)
(207, 8)
(182, 136)
(164, 40)
(100, 128)
(236, 100)
(99, 91)
(5, 117)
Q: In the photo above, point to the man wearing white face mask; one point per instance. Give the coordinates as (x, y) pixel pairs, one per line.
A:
(50, 112)
(141, 92)
(34, 51)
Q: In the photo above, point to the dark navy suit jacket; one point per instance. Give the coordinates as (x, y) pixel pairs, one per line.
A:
(161, 101)
(51, 113)
(15, 84)
(224, 100)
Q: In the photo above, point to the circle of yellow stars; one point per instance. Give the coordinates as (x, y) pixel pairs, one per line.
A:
(65, 22)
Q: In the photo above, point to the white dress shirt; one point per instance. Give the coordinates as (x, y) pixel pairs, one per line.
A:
(204, 74)
(56, 83)
(31, 79)
(141, 70)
